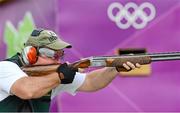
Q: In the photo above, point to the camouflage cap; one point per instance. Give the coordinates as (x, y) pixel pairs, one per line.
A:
(46, 38)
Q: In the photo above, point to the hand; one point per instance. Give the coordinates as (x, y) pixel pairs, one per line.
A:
(128, 66)
(66, 73)
(131, 66)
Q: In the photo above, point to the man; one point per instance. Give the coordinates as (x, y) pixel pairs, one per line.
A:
(20, 92)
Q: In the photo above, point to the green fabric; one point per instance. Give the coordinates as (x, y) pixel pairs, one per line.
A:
(41, 104)
(15, 104)
(10, 104)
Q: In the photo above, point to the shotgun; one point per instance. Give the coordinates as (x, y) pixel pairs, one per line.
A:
(105, 61)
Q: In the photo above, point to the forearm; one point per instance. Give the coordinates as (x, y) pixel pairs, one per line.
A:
(98, 79)
(43, 85)
(34, 87)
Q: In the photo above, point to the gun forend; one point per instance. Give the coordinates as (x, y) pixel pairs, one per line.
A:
(118, 62)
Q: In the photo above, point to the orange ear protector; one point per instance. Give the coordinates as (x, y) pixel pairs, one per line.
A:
(29, 55)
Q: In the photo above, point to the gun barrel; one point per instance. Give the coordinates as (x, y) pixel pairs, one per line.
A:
(167, 54)
(153, 56)
(164, 56)
(153, 59)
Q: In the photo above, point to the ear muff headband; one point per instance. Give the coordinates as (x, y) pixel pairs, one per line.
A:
(36, 32)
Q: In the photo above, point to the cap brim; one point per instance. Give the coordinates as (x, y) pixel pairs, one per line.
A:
(59, 45)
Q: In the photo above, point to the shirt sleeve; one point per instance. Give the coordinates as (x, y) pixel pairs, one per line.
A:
(70, 88)
(9, 73)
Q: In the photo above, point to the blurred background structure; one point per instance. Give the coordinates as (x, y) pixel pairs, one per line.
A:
(88, 26)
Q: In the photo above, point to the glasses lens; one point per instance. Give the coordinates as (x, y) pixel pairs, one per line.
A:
(52, 53)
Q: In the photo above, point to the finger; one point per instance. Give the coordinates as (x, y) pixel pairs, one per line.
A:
(131, 65)
(138, 65)
(126, 66)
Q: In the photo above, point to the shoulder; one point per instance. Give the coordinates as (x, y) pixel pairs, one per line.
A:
(7, 63)
(10, 68)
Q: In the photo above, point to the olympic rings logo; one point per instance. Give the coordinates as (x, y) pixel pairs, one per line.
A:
(131, 17)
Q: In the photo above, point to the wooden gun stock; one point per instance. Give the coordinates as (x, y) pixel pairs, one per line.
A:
(41, 70)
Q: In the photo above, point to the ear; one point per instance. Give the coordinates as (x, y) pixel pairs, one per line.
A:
(29, 55)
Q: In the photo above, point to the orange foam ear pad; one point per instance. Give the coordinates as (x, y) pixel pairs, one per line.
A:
(32, 55)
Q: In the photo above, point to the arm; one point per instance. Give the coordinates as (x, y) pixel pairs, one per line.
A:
(34, 87)
(29, 87)
(100, 78)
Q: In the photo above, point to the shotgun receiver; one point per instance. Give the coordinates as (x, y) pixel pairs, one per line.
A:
(105, 61)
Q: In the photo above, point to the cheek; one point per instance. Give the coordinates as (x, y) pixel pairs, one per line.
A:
(43, 60)
(52, 61)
